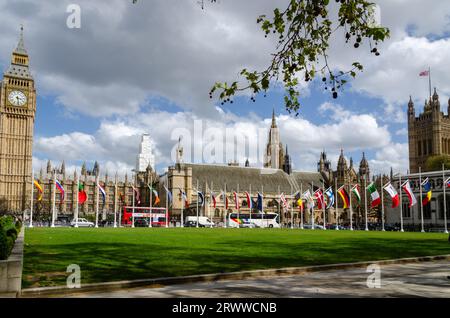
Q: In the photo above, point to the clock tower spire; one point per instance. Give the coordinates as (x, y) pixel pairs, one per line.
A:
(17, 113)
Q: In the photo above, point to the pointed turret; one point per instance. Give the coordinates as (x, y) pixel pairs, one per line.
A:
(287, 167)
(83, 169)
(411, 109)
(20, 49)
(247, 163)
(274, 120)
(364, 166)
(63, 168)
(49, 167)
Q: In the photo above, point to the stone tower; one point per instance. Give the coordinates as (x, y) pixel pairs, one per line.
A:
(17, 113)
(274, 156)
(364, 169)
(287, 166)
(428, 134)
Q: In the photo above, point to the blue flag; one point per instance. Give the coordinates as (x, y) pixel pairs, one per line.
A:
(260, 202)
(201, 198)
(330, 196)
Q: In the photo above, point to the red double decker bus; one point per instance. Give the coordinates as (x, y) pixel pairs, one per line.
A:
(159, 216)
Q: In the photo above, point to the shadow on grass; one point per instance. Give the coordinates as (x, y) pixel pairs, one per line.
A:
(45, 265)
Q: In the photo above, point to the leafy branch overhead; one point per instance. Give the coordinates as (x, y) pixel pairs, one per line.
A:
(304, 29)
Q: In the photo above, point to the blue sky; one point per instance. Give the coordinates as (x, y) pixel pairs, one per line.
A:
(129, 70)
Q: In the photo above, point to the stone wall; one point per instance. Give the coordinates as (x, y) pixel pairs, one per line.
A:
(11, 270)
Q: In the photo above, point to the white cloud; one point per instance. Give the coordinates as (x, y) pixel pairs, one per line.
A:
(394, 155)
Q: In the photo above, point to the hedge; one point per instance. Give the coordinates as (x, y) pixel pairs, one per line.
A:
(9, 230)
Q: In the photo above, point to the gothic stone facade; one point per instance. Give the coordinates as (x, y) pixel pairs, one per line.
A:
(428, 134)
(17, 113)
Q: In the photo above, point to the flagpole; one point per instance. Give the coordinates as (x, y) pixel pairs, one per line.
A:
(429, 78)
(250, 203)
(444, 185)
(312, 208)
(182, 209)
(365, 201)
(421, 203)
(292, 211)
(115, 202)
(30, 225)
(336, 204)
(167, 206)
(382, 203)
(301, 208)
(225, 199)
(54, 198)
(211, 200)
(76, 200)
(323, 205)
(197, 206)
(279, 208)
(401, 202)
(351, 208)
(132, 215)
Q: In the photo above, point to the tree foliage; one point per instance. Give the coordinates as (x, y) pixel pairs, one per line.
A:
(303, 31)
(434, 163)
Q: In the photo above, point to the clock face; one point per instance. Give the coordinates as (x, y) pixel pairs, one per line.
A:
(17, 98)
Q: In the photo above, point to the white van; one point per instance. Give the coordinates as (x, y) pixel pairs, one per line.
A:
(202, 221)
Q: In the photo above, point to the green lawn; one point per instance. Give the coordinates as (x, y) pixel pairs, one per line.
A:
(106, 255)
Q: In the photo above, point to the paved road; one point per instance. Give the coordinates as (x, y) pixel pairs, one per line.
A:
(406, 280)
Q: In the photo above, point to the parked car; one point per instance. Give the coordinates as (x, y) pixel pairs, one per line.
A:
(82, 223)
(202, 220)
(192, 224)
(141, 223)
(316, 227)
(248, 225)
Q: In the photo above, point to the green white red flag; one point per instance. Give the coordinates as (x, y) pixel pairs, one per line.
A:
(376, 200)
(394, 195)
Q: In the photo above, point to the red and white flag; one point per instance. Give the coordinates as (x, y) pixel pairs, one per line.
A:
(319, 197)
(213, 199)
(424, 73)
(394, 195)
(236, 200)
(284, 202)
(407, 188)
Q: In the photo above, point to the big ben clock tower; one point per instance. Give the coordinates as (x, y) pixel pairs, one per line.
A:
(17, 111)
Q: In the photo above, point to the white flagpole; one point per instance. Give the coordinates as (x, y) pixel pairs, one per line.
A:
(225, 205)
(301, 208)
(96, 205)
(197, 206)
(351, 208)
(238, 205)
(133, 188)
(382, 204)
(323, 205)
(279, 208)
(211, 201)
(30, 225)
(336, 204)
(250, 203)
(167, 206)
(292, 211)
(54, 199)
(444, 184)
(76, 202)
(115, 202)
(421, 204)
(312, 208)
(150, 223)
(401, 202)
(365, 201)
(182, 209)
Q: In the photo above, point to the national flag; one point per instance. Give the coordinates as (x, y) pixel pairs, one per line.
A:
(284, 201)
(407, 188)
(320, 200)
(225, 200)
(357, 192)
(156, 195)
(137, 196)
(376, 200)
(40, 190)
(184, 198)
(82, 195)
(427, 189)
(260, 203)
(344, 196)
(330, 194)
(249, 200)
(200, 198)
(213, 199)
(448, 183)
(308, 198)
(102, 191)
(61, 190)
(169, 194)
(424, 73)
(236, 200)
(394, 195)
